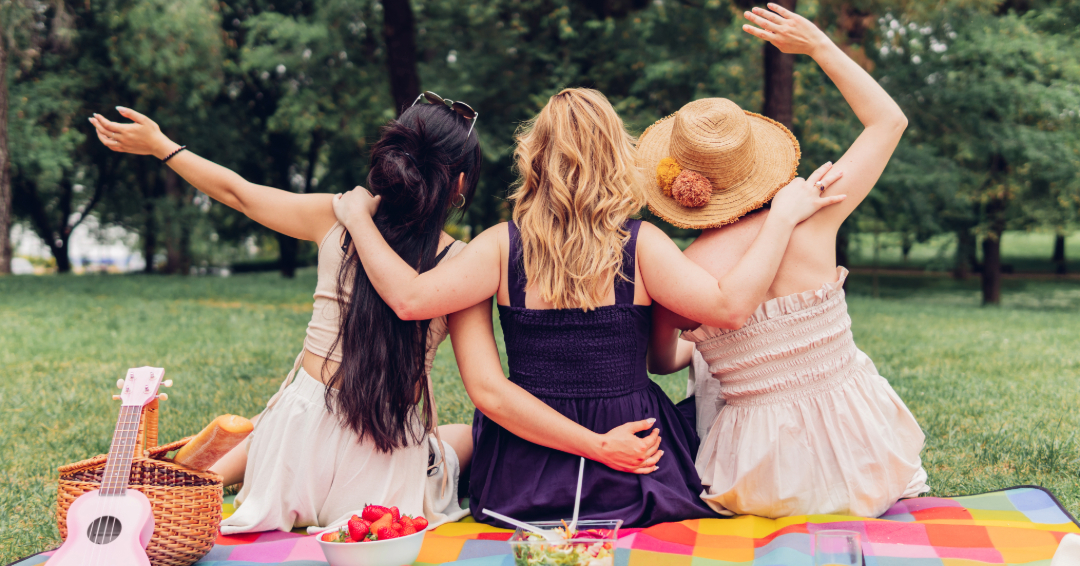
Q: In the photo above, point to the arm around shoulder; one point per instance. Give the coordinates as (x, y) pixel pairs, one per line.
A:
(455, 284)
(682, 286)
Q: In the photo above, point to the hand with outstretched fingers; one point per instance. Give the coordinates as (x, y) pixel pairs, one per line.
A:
(140, 137)
(788, 31)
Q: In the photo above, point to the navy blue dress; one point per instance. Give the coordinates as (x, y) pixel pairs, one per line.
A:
(589, 366)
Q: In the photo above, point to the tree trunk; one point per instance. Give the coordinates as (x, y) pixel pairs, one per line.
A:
(991, 271)
(177, 231)
(288, 249)
(1060, 266)
(148, 181)
(779, 80)
(842, 244)
(965, 253)
(149, 237)
(5, 166)
(996, 208)
(991, 267)
(399, 32)
(60, 252)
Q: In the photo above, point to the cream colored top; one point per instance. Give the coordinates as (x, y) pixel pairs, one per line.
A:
(807, 425)
(323, 328)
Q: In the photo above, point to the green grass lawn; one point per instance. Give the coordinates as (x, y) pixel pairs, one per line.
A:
(995, 389)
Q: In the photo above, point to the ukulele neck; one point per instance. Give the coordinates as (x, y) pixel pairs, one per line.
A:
(115, 480)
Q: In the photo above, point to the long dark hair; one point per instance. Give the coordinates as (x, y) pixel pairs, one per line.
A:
(381, 381)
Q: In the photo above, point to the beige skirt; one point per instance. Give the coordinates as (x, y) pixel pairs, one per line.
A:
(853, 450)
(305, 469)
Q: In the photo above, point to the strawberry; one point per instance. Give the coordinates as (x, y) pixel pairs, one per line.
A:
(409, 530)
(373, 513)
(348, 539)
(395, 513)
(397, 528)
(382, 522)
(357, 529)
(420, 523)
(386, 533)
(406, 521)
(335, 536)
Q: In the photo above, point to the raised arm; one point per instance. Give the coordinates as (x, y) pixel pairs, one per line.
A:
(458, 283)
(881, 117)
(517, 411)
(686, 289)
(306, 217)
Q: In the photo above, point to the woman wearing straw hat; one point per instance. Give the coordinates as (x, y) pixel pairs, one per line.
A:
(796, 419)
(575, 278)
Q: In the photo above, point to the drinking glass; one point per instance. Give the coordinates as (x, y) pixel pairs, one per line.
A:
(837, 548)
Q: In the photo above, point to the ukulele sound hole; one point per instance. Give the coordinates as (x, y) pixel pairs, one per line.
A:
(103, 530)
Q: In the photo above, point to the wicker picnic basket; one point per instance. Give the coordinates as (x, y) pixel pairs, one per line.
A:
(186, 503)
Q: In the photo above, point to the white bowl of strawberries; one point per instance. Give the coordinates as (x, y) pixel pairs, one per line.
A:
(379, 536)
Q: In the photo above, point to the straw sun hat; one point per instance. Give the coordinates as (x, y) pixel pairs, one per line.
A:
(712, 162)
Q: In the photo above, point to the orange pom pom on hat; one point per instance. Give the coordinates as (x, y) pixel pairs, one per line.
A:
(746, 158)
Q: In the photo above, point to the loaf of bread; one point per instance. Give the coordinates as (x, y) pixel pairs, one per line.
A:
(221, 435)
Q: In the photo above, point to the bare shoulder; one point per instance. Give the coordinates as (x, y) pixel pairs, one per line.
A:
(650, 235)
(498, 233)
(493, 240)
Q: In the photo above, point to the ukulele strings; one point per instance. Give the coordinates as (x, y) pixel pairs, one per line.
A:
(95, 533)
(105, 524)
(128, 436)
(103, 505)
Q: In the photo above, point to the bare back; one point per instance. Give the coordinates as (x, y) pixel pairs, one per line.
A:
(808, 262)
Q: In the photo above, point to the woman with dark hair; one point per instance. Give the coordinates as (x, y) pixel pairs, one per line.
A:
(354, 423)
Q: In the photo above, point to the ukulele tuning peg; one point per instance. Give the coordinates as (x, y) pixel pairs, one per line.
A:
(163, 396)
(116, 397)
(119, 383)
(167, 383)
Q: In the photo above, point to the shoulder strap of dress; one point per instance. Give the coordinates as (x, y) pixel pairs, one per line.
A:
(515, 268)
(624, 288)
(444, 251)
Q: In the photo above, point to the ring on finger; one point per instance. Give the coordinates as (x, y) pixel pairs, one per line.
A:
(820, 186)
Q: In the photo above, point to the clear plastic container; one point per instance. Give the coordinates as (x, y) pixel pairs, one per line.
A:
(592, 545)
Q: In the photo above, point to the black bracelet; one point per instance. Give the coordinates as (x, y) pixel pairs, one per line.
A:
(173, 154)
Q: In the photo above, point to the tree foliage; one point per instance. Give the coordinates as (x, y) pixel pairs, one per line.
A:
(993, 102)
(292, 95)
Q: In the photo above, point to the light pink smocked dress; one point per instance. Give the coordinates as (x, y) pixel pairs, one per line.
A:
(807, 425)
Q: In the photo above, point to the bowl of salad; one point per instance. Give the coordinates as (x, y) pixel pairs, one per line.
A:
(592, 544)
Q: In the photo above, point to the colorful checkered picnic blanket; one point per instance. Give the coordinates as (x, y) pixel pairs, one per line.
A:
(1017, 526)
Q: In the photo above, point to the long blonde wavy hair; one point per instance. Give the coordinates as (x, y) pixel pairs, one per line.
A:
(577, 186)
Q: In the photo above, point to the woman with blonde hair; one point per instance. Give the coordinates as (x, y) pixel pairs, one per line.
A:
(565, 272)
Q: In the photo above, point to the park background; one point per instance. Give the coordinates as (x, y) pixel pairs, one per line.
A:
(962, 292)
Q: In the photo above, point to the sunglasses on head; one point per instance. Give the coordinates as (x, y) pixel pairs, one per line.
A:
(463, 110)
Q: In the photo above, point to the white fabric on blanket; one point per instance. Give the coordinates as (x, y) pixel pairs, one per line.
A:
(306, 470)
(1068, 552)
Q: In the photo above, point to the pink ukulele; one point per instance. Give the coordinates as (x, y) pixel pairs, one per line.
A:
(112, 525)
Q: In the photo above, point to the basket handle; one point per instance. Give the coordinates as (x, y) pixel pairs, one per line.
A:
(148, 429)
